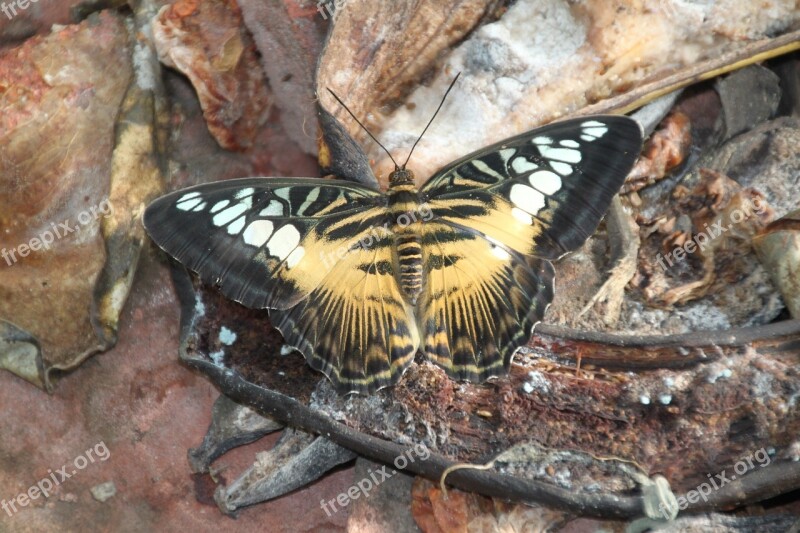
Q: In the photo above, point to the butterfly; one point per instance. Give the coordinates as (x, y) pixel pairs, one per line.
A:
(360, 280)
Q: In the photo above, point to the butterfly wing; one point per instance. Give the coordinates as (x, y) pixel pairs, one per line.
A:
(311, 250)
(262, 240)
(542, 193)
(480, 302)
(500, 215)
(356, 324)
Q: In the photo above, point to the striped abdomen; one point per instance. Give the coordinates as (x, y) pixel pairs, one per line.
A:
(406, 223)
(409, 256)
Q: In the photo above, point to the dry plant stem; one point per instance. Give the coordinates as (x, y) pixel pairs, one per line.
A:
(649, 352)
(748, 55)
(624, 242)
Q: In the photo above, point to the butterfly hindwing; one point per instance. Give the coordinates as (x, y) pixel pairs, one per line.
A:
(356, 324)
(480, 303)
(542, 193)
(261, 240)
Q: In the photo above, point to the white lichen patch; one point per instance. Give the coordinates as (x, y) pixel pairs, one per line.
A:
(226, 336)
(199, 308)
(103, 491)
(536, 382)
(217, 356)
(718, 371)
(793, 451)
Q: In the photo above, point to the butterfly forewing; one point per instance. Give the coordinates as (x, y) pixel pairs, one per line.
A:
(315, 252)
(542, 193)
(261, 240)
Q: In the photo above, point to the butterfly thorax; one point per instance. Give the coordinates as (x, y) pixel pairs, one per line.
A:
(406, 217)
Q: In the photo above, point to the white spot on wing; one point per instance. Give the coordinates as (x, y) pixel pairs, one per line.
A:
(284, 241)
(542, 140)
(273, 209)
(220, 205)
(545, 181)
(597, 132)
(522, 165)
(527, 198)
(562, 168)
(235, 227)
(244, 193)
(258, 232)
(187, 205)
(507, 153)
(200, 207)
(592, 124)
(569, 143)
(227, 215)
(568, 155)
(188, 196)
(310, 199)
(486, 169)
(282, 193)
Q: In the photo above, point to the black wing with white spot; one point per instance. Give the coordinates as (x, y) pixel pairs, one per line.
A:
(542, 193)
(262, 240)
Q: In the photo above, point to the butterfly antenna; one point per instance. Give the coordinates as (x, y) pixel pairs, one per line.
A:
(431, 120)
(364, 128)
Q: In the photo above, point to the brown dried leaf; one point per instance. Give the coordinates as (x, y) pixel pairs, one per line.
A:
(63, 94)
(206, 40)
(289, 34)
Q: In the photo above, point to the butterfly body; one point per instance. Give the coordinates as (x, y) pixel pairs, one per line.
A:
(359, 280)
(407, 217)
